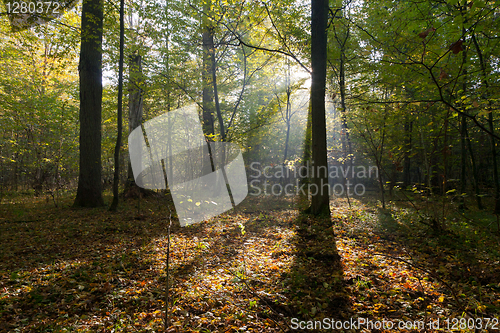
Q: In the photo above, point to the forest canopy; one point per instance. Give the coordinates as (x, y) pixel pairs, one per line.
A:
(411, 87)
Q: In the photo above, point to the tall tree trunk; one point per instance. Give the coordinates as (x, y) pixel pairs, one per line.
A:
(116, 176)
(288, 111)
(170, 167)
(320, 204)
(216, 98)
(378, 161)
(135, 105)
(444, 186)
(287, 117)
(346, 141)
(209, 77)
(463, 123)
(208, 81)
(208, 95)
(89, 193)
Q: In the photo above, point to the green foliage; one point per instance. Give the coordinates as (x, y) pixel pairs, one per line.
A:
(38, 101)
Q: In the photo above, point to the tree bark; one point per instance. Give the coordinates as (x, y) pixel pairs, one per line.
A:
(208, 93)
(288, 113)
(135, 104)
(116, 176)
(346, 141)
(89, 193)
(320, 203)
(463, 126)
(216, 97)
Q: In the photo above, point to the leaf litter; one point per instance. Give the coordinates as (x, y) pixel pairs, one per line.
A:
(249, 270)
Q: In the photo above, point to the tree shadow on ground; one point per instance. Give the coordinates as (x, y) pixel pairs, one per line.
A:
(315, 282)
(96, 270)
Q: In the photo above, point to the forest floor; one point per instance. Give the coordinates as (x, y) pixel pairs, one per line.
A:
(262, 267)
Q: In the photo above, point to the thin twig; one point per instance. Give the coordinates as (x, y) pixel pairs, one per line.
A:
(167, 296)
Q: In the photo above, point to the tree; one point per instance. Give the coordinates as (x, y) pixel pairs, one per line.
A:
(342, 40)
(38, 104)
(116, 177)
(208, 85)
(89, 193)
(135, 105)
(320, 203)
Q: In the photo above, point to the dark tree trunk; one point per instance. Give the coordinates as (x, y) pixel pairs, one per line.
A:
(463, 128)
(288, 118)
(216, 97)
(288, 113)
(446, 152)
(89, 193)
(347, 160)
(208, 92)
(116, 176)
(208, 77)
(320, 204)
